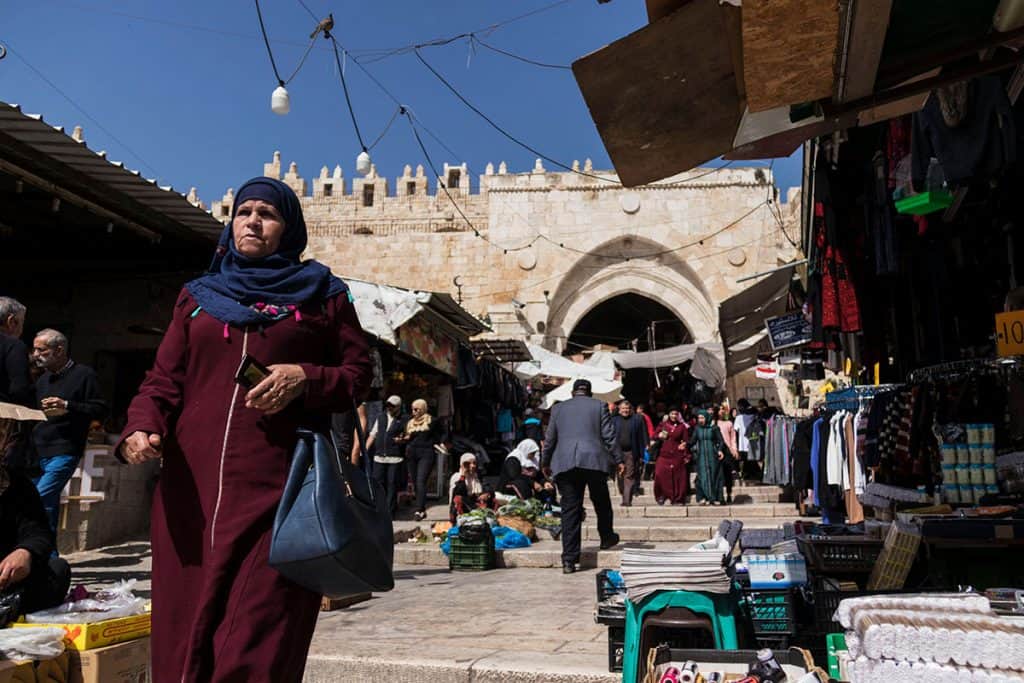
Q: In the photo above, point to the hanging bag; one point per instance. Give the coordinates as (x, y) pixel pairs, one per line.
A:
(332, 532)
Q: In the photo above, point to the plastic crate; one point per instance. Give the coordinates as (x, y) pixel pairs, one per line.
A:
(827, 555)
(770, 612)
(472, 556)
(606, 589)
(836, 643)
(616, 647)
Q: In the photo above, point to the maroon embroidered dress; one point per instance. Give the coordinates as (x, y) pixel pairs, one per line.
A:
(220, 612)
(671, 471)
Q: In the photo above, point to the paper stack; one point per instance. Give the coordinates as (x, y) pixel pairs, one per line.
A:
(647, 571)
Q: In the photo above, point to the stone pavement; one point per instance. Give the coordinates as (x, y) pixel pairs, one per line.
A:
(448, 627)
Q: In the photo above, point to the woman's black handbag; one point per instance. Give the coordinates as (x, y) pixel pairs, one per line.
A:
(332, 533)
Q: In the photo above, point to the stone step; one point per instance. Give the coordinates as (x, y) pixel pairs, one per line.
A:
(542, 554)
(674, 531)
(758, 497)
(717, 512)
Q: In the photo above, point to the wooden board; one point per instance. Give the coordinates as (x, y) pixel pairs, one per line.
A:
(864, 51)
(789, 49)
(331, 604)
(664, 99)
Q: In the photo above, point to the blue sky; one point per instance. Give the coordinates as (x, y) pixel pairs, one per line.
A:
(181, 90)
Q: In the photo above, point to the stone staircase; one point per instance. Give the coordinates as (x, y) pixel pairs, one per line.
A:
(644, 524)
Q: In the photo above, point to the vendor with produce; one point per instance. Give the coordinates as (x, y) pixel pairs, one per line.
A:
(466, 491)
(31, 579)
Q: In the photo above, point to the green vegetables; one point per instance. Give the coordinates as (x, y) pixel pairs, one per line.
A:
(530, 510)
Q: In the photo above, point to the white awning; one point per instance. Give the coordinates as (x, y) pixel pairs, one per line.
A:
(383, 309)
(708, 360)
(551, 364)
(602, 390)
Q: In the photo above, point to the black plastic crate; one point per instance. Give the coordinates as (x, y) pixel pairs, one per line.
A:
(605, 591)
(838, 555)
(472, 556)
(616, 647)
(770, 612)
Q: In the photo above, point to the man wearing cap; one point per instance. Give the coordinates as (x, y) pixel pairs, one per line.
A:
(388, 434)
(579, 450)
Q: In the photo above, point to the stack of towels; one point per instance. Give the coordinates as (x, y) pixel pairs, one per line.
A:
(934, 638)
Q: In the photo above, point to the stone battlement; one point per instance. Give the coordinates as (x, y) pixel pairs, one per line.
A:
(413, 192)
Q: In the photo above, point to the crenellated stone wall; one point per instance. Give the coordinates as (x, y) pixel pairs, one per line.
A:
(533, 252)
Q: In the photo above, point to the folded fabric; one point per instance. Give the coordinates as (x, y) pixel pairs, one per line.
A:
(864, 670)
(935, 602)
(965, 639)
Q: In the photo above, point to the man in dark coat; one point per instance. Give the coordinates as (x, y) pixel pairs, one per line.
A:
(579, 450)
(69, 394)
(15, 384)
(631, 436)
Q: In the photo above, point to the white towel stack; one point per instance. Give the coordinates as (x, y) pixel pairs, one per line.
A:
(939, 637)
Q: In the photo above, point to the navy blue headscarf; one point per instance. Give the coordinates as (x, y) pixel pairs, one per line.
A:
(234, 283)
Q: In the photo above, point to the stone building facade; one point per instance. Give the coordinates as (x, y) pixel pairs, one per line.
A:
(534, 252)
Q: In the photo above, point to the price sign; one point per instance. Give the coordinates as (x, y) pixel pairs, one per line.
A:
(1010, 333)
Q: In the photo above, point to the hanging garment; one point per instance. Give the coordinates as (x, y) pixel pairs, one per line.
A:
(854, 510)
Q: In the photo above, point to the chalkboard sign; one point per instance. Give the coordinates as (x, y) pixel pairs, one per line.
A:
(786, 331)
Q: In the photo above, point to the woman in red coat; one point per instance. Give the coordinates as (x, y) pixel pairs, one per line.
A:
(220, 612)
(671, 471)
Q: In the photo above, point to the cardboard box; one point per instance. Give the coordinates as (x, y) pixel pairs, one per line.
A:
(11, 672)
(100, 633)
(121, 663)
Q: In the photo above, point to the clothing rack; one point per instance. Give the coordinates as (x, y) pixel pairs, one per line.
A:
(959, 368)
(850, 398)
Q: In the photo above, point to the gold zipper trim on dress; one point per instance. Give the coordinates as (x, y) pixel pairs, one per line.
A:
(224, 445)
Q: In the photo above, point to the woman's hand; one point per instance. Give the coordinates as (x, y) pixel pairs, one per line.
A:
(142, 446)
(15, 568)
(283, 385)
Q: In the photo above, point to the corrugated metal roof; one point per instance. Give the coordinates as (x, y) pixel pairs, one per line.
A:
(51, 141)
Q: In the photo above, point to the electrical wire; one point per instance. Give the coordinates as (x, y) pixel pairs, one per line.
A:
(301, 62)
(80, 109)
(545, 65)
(266, 41)
(386, 129)
(344, 87)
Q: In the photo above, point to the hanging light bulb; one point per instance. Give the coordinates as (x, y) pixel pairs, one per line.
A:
(363, 162)
(279, 102)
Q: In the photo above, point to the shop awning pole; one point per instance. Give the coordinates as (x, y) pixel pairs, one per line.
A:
(794, 264)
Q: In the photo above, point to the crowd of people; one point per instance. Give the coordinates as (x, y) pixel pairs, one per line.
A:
(38, 460)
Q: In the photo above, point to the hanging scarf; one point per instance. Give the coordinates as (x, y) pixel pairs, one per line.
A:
(240, 291)
(421, 423)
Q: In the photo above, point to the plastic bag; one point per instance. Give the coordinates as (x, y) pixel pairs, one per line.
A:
(31, 643)
(10, 605)
(112, 603)
(506, 538)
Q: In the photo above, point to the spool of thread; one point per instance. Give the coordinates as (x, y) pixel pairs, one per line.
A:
(963, 454)
(966, 494)
(977, 474)
(963, 474)
(948, 454)
(951, 493)
(988, 454)
(988, 433)
(988, 474)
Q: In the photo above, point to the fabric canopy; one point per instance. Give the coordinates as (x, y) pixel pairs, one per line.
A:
(708, 360)
(382, 309)
(603, 390)
(553, 365)
(741, 319)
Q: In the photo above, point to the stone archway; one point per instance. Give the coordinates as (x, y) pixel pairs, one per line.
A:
(596, 278)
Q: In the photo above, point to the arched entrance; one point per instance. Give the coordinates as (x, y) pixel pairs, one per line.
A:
(636, 322)
(631, 321)
(625, 266)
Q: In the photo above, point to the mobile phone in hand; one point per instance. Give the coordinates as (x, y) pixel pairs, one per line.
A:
(251, 372)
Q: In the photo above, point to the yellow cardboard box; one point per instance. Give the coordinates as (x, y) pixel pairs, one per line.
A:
(101, 633)
(122, 663)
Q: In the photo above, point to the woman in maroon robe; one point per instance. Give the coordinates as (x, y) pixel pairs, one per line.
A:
(220, 612)
(671, 471)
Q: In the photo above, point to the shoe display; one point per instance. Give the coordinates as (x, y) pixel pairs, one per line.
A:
(611, 543)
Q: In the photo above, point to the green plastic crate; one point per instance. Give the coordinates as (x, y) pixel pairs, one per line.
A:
(770, 611)
(836, 643)
(924, 203)
(472, 557)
